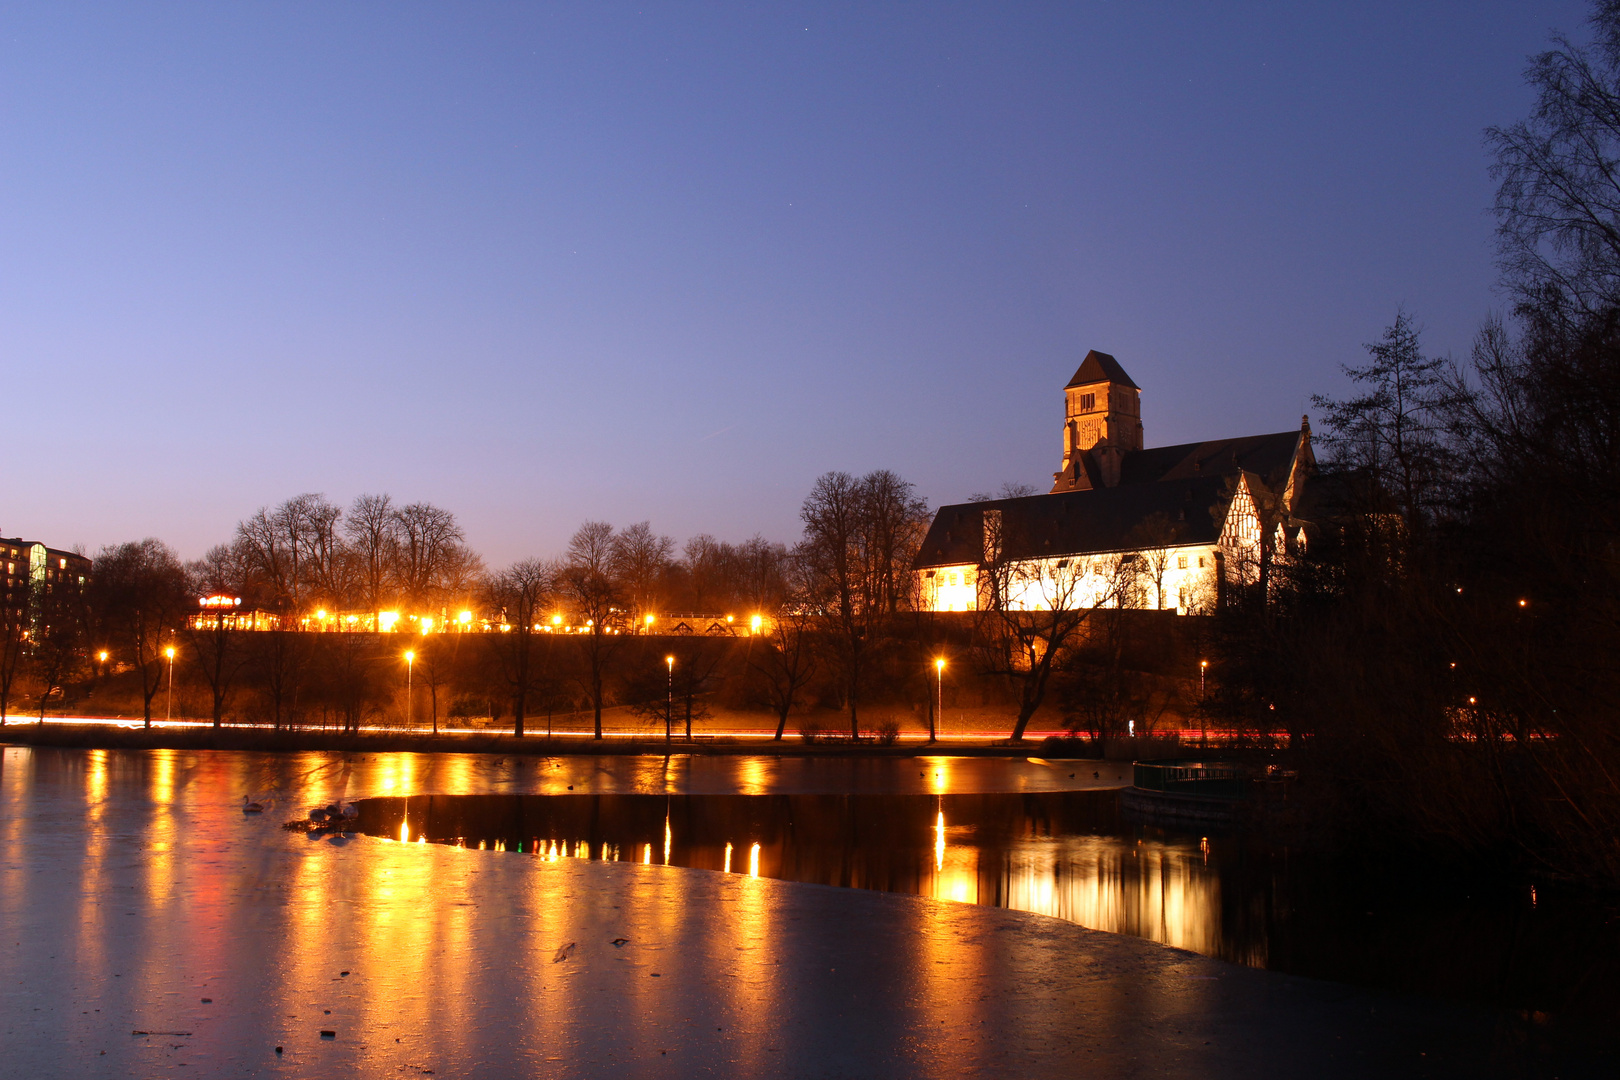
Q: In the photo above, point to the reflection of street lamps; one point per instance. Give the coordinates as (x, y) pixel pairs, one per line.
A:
(669, 698)
(939, 698)
(169, 710)
(410, 664)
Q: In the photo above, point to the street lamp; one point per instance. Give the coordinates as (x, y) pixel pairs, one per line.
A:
(169, 709)
(939, 699)
(669, 698)
(410, 664)
(1203, 719)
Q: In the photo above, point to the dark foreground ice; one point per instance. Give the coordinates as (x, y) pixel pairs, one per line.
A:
(148, 927)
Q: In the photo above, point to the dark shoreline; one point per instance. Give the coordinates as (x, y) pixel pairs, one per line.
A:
(109, 737)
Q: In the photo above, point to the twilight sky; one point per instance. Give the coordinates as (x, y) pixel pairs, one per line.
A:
(540, 263)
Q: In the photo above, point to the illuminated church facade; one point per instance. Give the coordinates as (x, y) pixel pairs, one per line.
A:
(1169, 527)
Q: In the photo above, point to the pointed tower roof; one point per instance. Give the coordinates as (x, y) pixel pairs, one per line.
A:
(1100, 367)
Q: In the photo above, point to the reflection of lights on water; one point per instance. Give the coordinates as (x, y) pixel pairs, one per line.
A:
(646, 854)
(727, 869)
(404, 831)
(96, 777)
(666, 839)
(753, 861)
(939, 842)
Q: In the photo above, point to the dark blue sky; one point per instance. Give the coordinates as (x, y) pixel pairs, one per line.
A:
(544, 263)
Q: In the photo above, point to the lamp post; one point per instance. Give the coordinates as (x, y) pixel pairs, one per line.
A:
(168, 712)
(1203, 720)
(939, 698)
(410, 665)
(669, 698)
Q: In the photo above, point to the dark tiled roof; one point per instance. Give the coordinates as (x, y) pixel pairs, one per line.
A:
(1100, 367)
(1080, 522)
(1268, 456)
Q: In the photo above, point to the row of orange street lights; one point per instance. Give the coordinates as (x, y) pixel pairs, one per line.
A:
(669, 693)
(426, 624)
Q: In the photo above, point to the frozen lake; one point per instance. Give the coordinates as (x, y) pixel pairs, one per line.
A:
(150, 927)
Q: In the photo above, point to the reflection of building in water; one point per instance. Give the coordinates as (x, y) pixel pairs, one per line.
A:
(1055, 854)
(1152, 890)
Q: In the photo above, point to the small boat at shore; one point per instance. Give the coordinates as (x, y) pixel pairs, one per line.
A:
(1191, 793)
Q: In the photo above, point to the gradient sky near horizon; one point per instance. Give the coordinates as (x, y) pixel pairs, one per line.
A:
(543, 263)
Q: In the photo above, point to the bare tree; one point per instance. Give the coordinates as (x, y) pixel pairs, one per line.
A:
(859, 540)
(328, 567)
(294, 549)
(641, 562)
(372, 531)
(785, 661)
(429, 540)
(138, 591)
(1558, 203)
(280, 656)
(1012, 489)
(219, 650)
(520, 595)
(57, 637)
(1154, 538)
(14, 619)
(1031, 608)
(435, 662)
(592, 590)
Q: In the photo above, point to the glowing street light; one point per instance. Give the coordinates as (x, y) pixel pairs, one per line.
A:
(939, 699)
(669, 698)
(755, 623)
(168, 713)
(1203, 722)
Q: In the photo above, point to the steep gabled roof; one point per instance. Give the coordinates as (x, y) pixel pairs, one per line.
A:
(1268, 456)
(1080, 522)
(1100, 367)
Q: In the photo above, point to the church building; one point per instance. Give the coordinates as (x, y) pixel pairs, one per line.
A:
(1171, 527)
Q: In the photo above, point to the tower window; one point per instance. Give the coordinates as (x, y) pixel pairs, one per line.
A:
(1088, 402)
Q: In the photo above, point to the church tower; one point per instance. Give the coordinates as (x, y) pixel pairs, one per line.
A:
(1102, 422)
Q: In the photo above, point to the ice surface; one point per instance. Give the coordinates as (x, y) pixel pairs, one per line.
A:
(133, 887)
